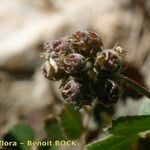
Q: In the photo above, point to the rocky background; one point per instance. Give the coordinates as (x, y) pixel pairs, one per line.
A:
(24, 25)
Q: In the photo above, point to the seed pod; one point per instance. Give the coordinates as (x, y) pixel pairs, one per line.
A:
(108, 91)
(78, 93)
(57, 47)
(109, 60)
(71, 91)
(85, 43)
(74, 63)
(112, 91)
(52, 69)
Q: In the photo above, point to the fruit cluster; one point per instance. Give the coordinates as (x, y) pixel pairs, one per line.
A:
(87, 72)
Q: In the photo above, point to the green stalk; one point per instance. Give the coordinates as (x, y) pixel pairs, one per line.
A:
(135, 86)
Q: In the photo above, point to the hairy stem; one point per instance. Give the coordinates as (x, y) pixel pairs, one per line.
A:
(135, 86)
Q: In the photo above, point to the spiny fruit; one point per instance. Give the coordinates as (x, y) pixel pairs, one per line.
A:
(53, 69)
(74, 63)
(109, 60)
(108, 91)
(71, 91)
(79, 61)
(85, 43)
(56, 48)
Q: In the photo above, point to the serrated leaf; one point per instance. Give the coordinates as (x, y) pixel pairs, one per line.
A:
(126, 132)
(130, 125)
(71, 122)
(53, 129)
(20, 133)
(113, 143)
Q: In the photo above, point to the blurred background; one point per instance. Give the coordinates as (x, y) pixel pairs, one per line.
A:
(24, 26)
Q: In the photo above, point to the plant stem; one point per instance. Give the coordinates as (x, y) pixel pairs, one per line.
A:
(135, 86)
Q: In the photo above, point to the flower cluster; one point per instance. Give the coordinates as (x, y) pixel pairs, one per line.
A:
(87, 71)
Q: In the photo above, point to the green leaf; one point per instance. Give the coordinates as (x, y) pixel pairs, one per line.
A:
(53, 129)
(113, 143)
(20, 133)
(126, 132)
(71, 122)
(130, 125)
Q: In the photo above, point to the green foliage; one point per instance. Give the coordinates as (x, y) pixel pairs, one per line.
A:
(113, 143)
(68, 126)
(53, 129)
(20, 133)
(130, 125)
(71, 122)
(125, 132)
